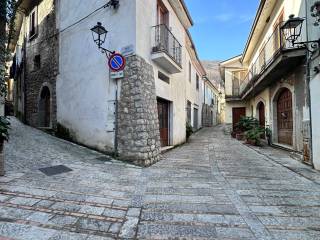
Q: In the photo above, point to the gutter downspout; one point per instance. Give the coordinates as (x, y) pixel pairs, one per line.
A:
(308, 79)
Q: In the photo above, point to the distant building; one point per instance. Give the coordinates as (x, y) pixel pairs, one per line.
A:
(215, 92)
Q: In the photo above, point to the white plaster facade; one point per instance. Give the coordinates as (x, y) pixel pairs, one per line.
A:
(85, 92)
(314, 34)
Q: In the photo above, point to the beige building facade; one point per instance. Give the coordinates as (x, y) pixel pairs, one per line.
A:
(268, 80)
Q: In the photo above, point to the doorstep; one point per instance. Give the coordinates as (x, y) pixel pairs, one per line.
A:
(166, 149)
(283, 146)
(293, 153)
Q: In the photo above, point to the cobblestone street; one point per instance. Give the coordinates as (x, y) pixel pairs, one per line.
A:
(213, 187)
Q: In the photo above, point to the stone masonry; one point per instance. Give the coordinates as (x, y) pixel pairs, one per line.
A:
(138, 124)
(45, 45)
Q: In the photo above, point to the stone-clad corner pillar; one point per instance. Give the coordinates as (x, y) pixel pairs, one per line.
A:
(138, 124)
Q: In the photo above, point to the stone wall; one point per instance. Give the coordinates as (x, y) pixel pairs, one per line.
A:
(138, 124)
(45, 44)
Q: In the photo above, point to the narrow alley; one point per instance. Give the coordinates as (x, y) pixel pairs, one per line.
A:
(213, 187)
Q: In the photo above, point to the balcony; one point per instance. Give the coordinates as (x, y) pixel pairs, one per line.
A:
(276, 59)
(166, 50)
(235, 94)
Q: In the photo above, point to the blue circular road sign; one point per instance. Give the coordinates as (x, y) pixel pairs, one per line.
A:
(117, 62)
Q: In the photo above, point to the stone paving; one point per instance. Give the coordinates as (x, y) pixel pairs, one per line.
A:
(213, 187)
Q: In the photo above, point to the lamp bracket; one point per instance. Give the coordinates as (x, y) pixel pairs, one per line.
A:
(314, 45)
(106, 51)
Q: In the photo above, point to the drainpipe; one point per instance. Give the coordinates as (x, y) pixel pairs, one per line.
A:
(308, 79)
(116, 128)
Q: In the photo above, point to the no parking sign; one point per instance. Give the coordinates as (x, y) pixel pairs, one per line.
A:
(117, 62)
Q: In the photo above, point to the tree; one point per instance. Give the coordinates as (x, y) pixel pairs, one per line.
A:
(7, 12)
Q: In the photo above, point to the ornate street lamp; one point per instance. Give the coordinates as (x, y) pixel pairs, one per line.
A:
(292, 31)
(292, 28)
(99, 35)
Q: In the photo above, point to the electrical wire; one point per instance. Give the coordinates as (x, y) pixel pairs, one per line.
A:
(68, 27)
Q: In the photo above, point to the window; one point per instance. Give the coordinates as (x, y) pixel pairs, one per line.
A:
(163, 77)
(163, 14)
(36, 62)
(213, 100)
(235, 84)
(189, 72)
(262, 58)
(197, 82)
(33, 26)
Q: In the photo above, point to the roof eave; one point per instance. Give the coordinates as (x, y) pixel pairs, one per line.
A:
(262, 3)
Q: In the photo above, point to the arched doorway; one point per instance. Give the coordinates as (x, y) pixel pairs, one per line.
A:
(261, 114)
(44, 108)
(285, 117)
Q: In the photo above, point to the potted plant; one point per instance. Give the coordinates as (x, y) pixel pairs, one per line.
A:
(245, 124)
(189, 130)
(269, 135)
(253, 136)
(4, 136)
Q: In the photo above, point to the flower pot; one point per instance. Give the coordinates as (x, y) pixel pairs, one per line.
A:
(240, 136)
(252, 142)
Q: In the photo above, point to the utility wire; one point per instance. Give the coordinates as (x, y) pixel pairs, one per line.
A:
(68, 27)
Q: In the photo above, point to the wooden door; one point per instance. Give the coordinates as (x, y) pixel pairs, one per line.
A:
(285, 118)
(237, 113)
(163, 115)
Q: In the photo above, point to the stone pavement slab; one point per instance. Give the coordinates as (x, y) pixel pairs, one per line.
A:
(213, 187)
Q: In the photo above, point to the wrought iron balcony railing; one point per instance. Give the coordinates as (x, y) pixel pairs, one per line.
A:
(165, 41)
(275, 44)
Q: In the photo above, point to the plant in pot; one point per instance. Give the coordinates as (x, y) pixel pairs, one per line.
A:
(189, 130)
(253, 136)
(4, 136)
(269, 135)
(245, 124)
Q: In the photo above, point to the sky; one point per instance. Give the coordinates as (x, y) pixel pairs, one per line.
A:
(221, 27)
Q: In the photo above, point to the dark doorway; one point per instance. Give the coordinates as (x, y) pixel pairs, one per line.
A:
(163, 115)
(262, 116)
(44, 108)
(195, 119)
(237, 113)
(285, 118)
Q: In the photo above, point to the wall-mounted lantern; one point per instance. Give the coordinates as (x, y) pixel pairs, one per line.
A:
(292, 28)
(292, 31)
(99, 35)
